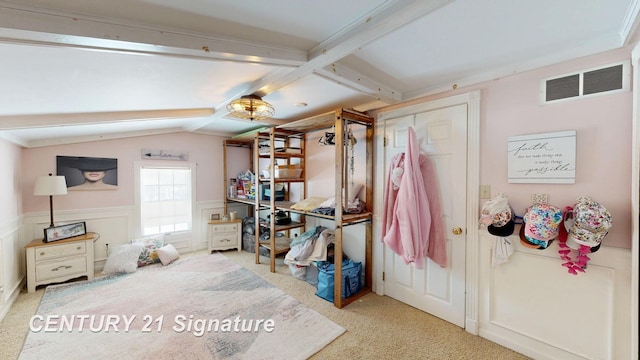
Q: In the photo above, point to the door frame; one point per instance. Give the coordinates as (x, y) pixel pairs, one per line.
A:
(635, 200)
(472, 100)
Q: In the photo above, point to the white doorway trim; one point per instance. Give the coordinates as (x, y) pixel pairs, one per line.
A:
(472, 100)
(635, 200)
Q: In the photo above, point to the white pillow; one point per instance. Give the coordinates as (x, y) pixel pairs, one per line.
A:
(123, 259)
(167, 254)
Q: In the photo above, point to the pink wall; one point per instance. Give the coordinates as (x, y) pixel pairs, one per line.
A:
(10, 184)
(238, 160)
(510, 106)
(204, 150)
(320, 165)
(603, 150)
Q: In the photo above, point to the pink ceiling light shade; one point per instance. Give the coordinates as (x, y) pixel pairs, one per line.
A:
(250, 107)
(48, 186)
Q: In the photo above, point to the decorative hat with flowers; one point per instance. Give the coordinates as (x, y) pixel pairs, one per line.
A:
(586, 224)
(498, 215)
(541, 225)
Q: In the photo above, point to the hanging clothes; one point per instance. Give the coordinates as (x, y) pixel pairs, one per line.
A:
(412, 223)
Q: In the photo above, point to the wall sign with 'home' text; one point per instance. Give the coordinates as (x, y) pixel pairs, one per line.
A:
(542, 158)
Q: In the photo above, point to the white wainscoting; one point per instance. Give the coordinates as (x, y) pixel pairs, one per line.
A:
(116, 226)
(11, 264)
(532, 305)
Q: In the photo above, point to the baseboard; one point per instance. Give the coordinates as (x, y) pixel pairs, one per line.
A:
(15, 293)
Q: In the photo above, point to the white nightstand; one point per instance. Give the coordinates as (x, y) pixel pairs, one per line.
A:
(224, 235)
(59, 261)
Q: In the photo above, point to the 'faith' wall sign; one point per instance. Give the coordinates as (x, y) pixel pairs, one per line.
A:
(542, 158)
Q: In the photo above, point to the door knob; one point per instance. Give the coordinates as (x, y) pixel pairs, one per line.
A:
(456, 231)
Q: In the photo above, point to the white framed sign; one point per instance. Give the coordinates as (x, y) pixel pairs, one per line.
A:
(548, 158)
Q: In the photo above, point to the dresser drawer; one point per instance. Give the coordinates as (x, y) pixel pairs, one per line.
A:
(56, 251)
(224, 239)
(224, 228)
(61, 269)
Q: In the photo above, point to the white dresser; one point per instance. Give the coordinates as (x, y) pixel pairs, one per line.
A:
(59, 261)
(224, 235)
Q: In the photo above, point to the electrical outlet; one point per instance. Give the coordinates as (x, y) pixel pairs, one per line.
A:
(485, 191)
(539, 198)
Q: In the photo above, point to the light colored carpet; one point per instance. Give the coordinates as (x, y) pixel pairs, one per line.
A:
(198, 307)
(378, 327)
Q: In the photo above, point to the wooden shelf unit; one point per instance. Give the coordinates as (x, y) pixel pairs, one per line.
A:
(248, 144)
(283, 138)
(339, 120)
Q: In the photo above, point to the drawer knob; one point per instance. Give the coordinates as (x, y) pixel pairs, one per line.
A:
(79, 247)
(42, 253)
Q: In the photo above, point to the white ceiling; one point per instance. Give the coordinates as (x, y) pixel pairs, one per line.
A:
(74, 71)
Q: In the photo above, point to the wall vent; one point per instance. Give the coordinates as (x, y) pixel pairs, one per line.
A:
(609, 79)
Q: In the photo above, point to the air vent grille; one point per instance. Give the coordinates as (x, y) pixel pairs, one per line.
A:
(564, 87)
(603, 80)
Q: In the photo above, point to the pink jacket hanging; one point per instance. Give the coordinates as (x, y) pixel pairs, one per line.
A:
(412, 223)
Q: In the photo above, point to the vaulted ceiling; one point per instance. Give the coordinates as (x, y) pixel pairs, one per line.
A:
(74, 71)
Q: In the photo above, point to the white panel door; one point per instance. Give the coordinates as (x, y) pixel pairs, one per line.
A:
(442, 135)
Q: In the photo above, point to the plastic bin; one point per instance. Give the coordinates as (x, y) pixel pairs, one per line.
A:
(287, 173)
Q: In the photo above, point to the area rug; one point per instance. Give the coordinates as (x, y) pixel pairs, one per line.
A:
(200, 307)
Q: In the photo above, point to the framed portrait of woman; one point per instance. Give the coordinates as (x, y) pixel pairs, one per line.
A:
(88, 173)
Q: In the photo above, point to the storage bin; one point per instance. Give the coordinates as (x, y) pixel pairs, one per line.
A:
(287, 173)
(266, 192)
(351, 279)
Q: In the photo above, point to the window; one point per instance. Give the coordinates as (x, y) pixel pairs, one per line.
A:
(165, 195)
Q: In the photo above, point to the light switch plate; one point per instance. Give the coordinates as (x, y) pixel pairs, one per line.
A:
(485, 191)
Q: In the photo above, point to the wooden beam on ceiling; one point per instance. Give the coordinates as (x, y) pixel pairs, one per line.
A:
(12, 122)
(30, 25)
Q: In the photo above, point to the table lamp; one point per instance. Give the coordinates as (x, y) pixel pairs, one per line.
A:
(49, 186)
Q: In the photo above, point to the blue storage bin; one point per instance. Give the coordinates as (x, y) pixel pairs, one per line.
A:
(351, 279)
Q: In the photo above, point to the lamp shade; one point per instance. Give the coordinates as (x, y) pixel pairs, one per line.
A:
(50, 185)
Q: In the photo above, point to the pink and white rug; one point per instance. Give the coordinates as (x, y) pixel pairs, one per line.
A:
(201, 307)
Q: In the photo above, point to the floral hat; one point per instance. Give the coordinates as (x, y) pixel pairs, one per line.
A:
(587, 223)
(541, 225)
(498, 215)
(591, 223)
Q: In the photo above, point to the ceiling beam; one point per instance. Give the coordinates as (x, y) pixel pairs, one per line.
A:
(24, 24)
(91, 138)
(12, 122)
(379, 22)
(630, 23)
(346, 76)
(344, 42)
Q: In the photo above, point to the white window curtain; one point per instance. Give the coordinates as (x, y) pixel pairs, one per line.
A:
(165, 199)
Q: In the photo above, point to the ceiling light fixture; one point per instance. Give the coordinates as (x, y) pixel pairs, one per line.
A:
(250, 107)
